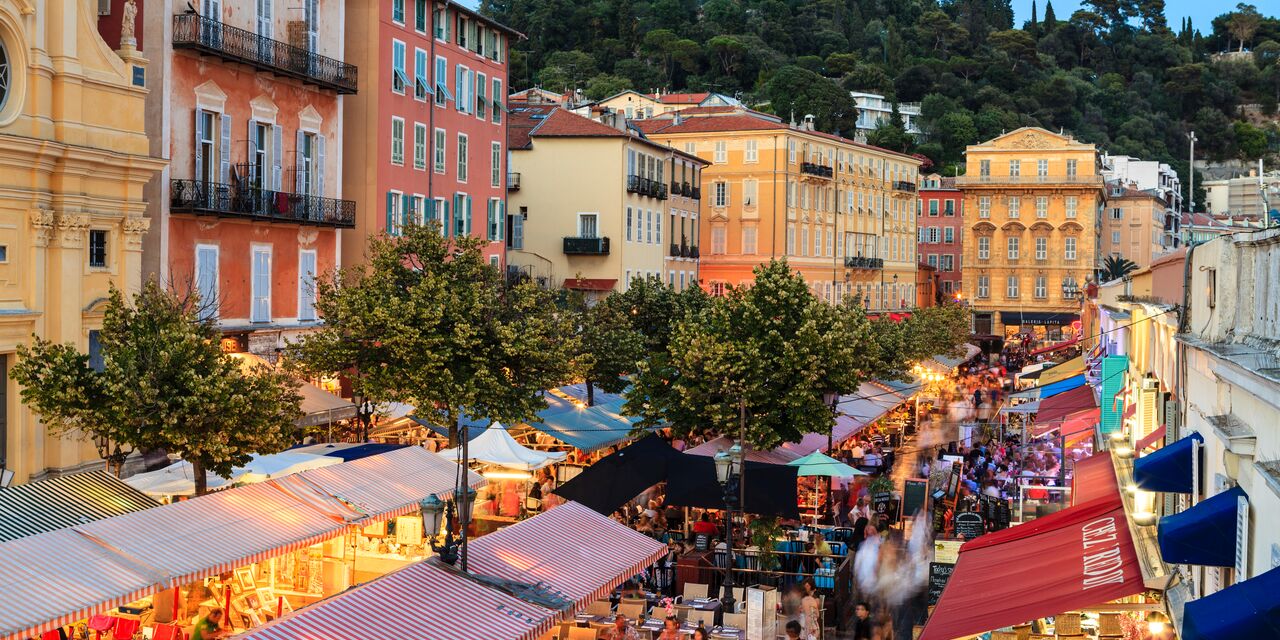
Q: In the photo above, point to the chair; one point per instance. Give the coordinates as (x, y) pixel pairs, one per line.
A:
(707, 618)
(1067, 624)
(632, 610)
(695, 590)
(740, 597)
(657, 612)
(582, 633)
(167, 632)
(553, 634)
(735, 620)
(600, 608)
(682, 611)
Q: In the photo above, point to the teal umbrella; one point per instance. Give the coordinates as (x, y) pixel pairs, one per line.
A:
(820, 464)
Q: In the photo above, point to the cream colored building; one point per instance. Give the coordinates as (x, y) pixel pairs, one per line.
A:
(75, 159)
(1133, 225)
(595, 207)
(843, 214)
(638, 106)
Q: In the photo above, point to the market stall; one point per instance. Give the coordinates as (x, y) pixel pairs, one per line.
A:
(178, 479)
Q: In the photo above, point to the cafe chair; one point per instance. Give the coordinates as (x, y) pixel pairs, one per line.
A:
(735, 620)
(682, 611)
(740, 598)
(707, 618)
(695, 590)
(582, 633)
(553, 634)
(600, 608)
(632, 610)
(658, 612)
(1067, 624)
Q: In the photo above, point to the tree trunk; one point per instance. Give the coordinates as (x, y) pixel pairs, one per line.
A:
(453, 429)
(198, 475)
(591, 394)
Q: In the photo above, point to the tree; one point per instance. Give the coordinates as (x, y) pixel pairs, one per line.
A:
(728, 51)
(1244, 22)
(793, 90)
(1250, 140)
(163, 384)
(431, 323)
(1116, 267)
(608, 347)
(1050, 19)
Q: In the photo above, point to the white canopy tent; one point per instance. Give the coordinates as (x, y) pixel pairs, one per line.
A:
(495, 446)
(178, 479)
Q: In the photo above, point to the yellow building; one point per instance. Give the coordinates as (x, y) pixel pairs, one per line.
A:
(843, 214)
(1031, 201)
(1133, 225)
(597, 205)
(638, 106)
(71, 213)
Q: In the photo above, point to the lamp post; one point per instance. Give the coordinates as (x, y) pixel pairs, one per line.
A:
(729, 475)
(432, 509)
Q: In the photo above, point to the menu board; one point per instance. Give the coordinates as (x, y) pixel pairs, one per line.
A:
(886, 507)
(939, 574)
(970, 525)
(913, 496)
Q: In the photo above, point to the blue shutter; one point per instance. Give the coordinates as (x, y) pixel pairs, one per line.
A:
(405, 206)
(446, 222)
(224, 152)
(307, 286)
(199, 136)
(391, 205)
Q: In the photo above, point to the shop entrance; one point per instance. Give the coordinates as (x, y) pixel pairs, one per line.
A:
(982, 324)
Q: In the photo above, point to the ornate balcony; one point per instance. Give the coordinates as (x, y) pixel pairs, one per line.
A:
(213, 38)
(903, 185)
(228, 201)
(819, 170)
(859, 262)
(576, 246)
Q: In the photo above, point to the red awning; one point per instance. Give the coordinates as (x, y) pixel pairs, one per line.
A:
(1082, 556)
(1093, 478)
(1149, 439)
(1054, 347)
(590, 284)
(1055, 409)
(1075, 423)
(1130, 410)
(572, 551)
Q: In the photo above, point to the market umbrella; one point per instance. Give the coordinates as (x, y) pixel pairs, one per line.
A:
(820, 464)
(770, 488)
(619, 477)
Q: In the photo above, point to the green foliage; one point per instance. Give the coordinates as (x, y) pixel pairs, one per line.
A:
(608, 347)
(800, 92)
(430, 323)
(164, 384)
(1115, 268)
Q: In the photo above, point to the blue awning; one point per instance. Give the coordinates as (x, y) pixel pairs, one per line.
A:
(1250, 609)
(363, 451)
(1167, 470)
(1061, 386)
(1204, 534)
(586, 428)
(473, 430)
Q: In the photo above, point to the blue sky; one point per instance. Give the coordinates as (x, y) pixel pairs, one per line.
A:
(1202, 12)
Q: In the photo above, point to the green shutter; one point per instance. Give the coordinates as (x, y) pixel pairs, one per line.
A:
(446, 224)
(391, 203)
(405, 205)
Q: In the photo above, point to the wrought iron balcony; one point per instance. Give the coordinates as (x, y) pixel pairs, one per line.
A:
(211, 37)
(903, 185)
(647, 187)
(814, 169)
(576, 246)
(693, 251)
(513, 182)
(697, 193)
(675, 250)
(228, 201)
(859, 262)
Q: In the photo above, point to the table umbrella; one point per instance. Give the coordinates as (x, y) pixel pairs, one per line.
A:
(616, 479)
(820, 464)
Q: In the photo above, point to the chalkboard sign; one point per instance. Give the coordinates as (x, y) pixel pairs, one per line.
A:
(970, 525)
(939, 574)
(913, 496)
(701, 542)
(1004, 515)
(886, 507)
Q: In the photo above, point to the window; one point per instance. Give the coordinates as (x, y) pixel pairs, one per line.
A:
(752, 153)
(1013, 248)
(261, 285)
(463, 87)
(441, 22)
(307, 285)
(495, 164)
(1070, 206)
(395, 212)
(4, 253)
(1042, 288)
(420, 15)
(482, 96)
(949, 235)
(718, 240)
(206, 280)
(749, 193)
(933, 208)
(1015, 206)
(817, 241)
(791, 151)
(419, 146)
(984, 168)
(1042, 248)
(1117, 213)
(791, 240)
(588, 225)
(460, 32)
(948, 262)
(442, 81)
(949, 209)
(1069, 249)
(932, 260)
(497, 101)
(1071, 168)
(1011, 287)
(1115, 237)
(421, 85)
(721, 194)
(397, 141)
(398, 77)
(515, 230)
(984, 206)
(98, 248)
(461, 214)
(629, 223)
(462, 157)
(397, 11)
(207, 158)
(722, 153)
(648, 227)
(934, 235)
(439, 151)
(984, 286)
(1015, 168)
(791, 194)
(804, 241)
(1042, 168)
(1042, 206)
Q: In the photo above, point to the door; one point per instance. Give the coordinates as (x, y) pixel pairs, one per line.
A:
(982, 324)
(211, 26)
(265, 35)
(587, 225)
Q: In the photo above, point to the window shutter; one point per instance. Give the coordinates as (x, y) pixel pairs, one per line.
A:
(319, 165)
(306, 286)
(468, 216)
(224, 151)
(277, 154)
(207, 281)
(501, 217)
(446, 222)
(405, 205)
(297, 163)
(199, 136)
(391, 223)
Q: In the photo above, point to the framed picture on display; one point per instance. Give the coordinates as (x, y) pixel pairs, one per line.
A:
(245, 576)
(285, 606)
(266, 599)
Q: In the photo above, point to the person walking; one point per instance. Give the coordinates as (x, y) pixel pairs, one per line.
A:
(811, 611)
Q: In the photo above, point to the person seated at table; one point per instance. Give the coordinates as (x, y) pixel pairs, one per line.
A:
(820, 545)
(704, 525)
(700, 634)
(670, 629)
(621, 630)
(210, 626)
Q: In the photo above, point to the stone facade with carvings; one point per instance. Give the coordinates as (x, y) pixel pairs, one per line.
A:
(1031, 205)
(72, 213)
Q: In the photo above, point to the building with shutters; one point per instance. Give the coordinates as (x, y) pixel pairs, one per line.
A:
(1133, 224)
(247, 104)
(72, 213)
(1031, 204)
(425, 138)
(940, 232)
(599, 205)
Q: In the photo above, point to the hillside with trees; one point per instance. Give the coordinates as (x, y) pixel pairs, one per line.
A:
(1114, 73)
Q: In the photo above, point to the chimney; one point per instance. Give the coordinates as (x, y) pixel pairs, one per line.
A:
(808, 122)
(679, 119)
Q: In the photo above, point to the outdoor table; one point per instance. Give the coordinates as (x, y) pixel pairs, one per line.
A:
(732, 632)
(703, 604)
(587, 620)
(655, 625)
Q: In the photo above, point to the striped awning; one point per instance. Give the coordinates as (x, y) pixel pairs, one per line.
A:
(62, 576)
(391, 484)
(65, 502)
(425, 601)
(218, 532)
(571, 551)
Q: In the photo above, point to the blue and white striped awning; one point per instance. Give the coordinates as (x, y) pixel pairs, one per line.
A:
(63, 502)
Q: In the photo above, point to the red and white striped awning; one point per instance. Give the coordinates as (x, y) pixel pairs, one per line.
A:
(216, 533)
(390, 484)
(424, 601)
(62, 576)
(573, 551)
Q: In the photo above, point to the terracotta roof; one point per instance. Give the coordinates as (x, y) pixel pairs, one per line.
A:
(522, 120)
(564, 123)
(744, 121)
(681, 98)
(550, 121)
(590, 284)
(1173, 256)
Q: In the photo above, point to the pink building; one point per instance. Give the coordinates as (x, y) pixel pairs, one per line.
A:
(938, 231)
(425, 136)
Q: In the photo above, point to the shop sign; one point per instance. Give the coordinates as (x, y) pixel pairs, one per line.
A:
(939, 574)
(886, 507)
(946, 551)
(970, 524)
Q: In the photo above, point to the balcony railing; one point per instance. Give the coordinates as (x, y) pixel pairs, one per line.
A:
(576, 246)
(903, 185)
(211, 37)
(820, 170)
(224, 200)
(647, 187)
(1024, 180)
(693, 251)
(513, 182)
(859, 262)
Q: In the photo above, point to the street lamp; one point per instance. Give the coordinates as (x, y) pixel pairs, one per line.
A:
(729, 475)
(1071, 290)
(432, 509)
